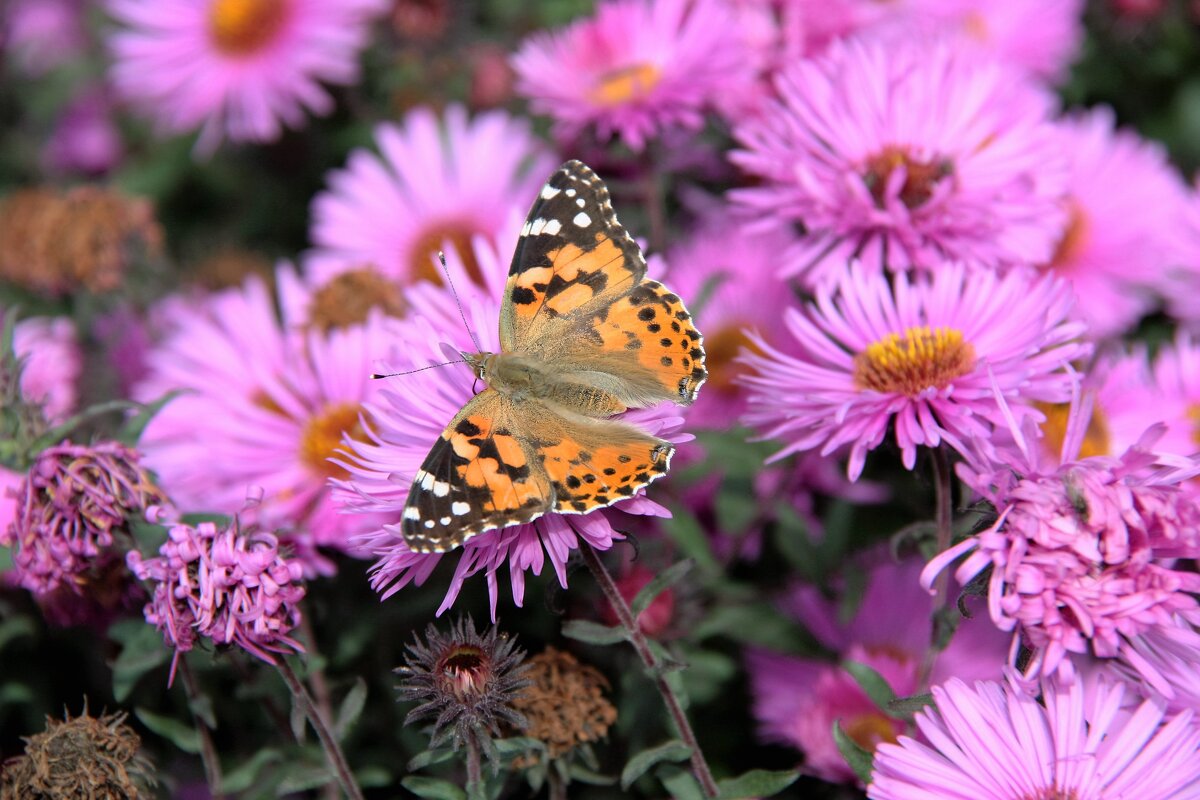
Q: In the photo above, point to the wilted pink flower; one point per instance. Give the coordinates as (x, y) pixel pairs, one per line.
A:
(436, 181)
(52, 364)
(275, 400)
(635, 69)
(237, 68)
(994, 741)
(222, 584)
(409, 416)
(70, 509)
(921, 357)
(85, 139)
(1125, 205)
(904, 155)
(797, 699)
(1082, 552)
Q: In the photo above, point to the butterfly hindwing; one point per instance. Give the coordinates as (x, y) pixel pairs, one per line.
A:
(477, 477)
(572, 253)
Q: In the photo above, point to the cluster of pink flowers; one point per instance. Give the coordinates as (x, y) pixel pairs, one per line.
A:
(223, 584)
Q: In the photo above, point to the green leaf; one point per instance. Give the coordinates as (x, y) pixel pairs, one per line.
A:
(183, 736)
(580, 773)
(905, 708)
(707, 674)
(756, 623)
(131, 431)
(593, 632)
(15, 628)
(142, 649)
(756, 783)
(433, 788)
(517, 745)
(243, 776)
(302, 777)
(673, 750)
(859, 759)
(350, 709)
(667, 578)
(429, 757)
(691, 540)
(680, 784)
(872, 684)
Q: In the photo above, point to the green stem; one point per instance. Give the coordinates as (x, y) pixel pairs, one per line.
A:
(654, 667)
(333, 751)
(208, 752)
(943, 488)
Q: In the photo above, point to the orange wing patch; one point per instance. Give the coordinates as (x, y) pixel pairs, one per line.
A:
(652, 323)
(590, 477)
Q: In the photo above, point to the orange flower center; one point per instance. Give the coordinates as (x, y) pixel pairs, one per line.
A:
(422, 257)
(244, 27)
(720, 350)
(1193, 413)
(920, 177)
(1073, 239)
(869, 730)
(1054, 430)
(323, 434)
(349, 298)
(625, 84)
(923, 357)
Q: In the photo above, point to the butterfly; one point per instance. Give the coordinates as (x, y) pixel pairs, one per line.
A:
(583, 337)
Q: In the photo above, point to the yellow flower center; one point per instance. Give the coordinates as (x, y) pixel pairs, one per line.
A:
(923, 357)
(975, 26)
(920, 177)
(1095, 440)
(1073, 239)
(349, 298)
(322, 437)
(1193, 413)
(625, 84)
(422, 257)
(244, 27)
(720, 350)
(869, 730)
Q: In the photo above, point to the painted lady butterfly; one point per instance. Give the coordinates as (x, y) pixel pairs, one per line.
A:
(583, 337)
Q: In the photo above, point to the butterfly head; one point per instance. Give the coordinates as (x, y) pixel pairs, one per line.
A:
(481, 364)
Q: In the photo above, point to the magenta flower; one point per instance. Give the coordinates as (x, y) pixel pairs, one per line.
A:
(635, 69)
(1082, 554)
(996, 742)
(237, 68)
(797, 699)
(222, 584)
(922, 356)
(1176, 373)
(42, 35)
(85, 139)
(52, 364)
(277, 398)
(904, 155)
(70, 510)
(1125, 203)
(411, 412)
(436, 181)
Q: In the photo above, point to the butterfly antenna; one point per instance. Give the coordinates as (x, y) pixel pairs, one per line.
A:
(378, 375)
(458, 302)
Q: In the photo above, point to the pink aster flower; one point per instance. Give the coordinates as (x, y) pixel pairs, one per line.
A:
(43, 34)
(411, 412)
(52, 364)
(1177, 380)
(222, 584)
(275, 398)
(71, 509)
(1082, 553)
(920, 355)
(237, 68)
(727, 276)
(1180, 285)
(435, 181)
(635, 69)
(797, 700)
(85, 139)
(1125, 204)
(994, 741)
(1171, 654)
(904, 155)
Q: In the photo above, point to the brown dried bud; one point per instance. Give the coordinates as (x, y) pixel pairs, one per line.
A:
(349, 297)
(565, 703)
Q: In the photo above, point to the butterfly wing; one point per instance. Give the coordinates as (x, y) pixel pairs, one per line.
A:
(478, 476)
(577, 299)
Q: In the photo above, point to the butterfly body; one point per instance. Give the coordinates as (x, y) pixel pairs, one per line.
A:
(583, 337)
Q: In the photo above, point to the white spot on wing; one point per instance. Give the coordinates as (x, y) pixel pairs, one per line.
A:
(426, 480)
(459, 509)
(549, 192)
(570, 192)
(444, 520)
(412, 512)
(539, 226)
(428, 523)
(441, 488)
(582, 219)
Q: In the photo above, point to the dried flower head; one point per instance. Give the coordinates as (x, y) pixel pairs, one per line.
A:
(349, 297)
(224, 584)
(466, 682)
(71, 508)
(565, 702)
(228, 266)
(81, 757)
(85, 238)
